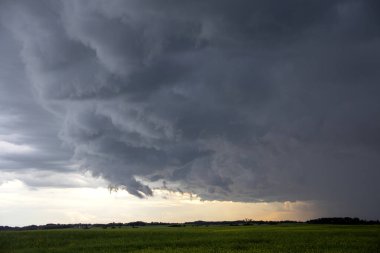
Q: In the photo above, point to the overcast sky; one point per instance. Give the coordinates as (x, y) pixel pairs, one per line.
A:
(254, 102)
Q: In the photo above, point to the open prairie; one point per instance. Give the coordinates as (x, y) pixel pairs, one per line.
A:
(265, 238)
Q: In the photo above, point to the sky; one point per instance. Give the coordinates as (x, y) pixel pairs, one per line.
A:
(213, 110)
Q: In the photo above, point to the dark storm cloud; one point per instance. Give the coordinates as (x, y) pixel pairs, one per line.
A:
(234, 100)
(28, 134)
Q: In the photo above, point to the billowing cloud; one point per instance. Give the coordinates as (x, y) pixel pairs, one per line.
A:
(230, 100)
(28, 134)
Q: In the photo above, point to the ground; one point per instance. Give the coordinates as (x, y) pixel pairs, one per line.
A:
(259, 238)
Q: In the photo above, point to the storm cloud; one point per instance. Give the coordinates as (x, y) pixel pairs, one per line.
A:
(230, 100)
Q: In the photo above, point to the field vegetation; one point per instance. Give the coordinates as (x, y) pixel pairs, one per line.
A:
(254, 238)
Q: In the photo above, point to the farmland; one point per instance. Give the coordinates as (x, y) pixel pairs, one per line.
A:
(264, 238)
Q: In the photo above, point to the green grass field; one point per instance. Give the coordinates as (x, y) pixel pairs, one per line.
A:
(275, 238)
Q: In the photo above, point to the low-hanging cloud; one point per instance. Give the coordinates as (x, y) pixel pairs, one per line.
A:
(231, 100)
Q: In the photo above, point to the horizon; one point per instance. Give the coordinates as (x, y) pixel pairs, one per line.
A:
(320, 220)
(210, 110)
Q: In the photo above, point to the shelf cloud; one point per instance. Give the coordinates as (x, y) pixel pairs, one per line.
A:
(231, 100)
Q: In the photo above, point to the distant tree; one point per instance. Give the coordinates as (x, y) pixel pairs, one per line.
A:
(247, 221)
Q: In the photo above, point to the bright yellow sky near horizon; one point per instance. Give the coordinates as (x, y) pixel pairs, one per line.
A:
(24, 205)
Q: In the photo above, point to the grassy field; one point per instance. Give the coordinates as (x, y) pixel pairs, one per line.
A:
(275, 238)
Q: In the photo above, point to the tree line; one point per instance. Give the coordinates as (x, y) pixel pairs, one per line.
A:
(245, 222)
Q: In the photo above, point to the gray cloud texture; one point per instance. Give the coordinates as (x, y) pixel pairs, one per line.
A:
(28, 134)
(232, 100)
